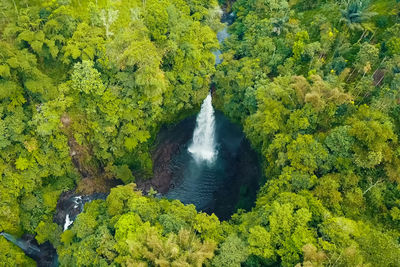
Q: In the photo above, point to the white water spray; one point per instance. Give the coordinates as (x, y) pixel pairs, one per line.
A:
(203, 143)
(68, 222)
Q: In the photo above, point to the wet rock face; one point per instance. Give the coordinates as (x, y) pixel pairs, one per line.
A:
(64, 206)
(169, 143)
(228, 18)
(45, 254)
(229, 184)
(72, 205)
(162, 173)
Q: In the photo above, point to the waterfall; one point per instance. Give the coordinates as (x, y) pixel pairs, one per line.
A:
(25, 245)
(203, 143)
(68, 222)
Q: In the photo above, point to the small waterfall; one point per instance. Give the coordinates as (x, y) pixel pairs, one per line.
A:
(29, 248)
(68, 222)
(203, 143)
(44, 254)
(77, 208)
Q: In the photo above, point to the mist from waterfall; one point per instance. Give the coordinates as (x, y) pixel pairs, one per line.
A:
(203, 147)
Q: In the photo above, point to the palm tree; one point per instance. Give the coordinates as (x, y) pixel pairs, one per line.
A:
(355, 14)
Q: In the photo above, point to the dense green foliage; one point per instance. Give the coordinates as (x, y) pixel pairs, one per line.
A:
(85, 85)
(316, 86)
(132, 230)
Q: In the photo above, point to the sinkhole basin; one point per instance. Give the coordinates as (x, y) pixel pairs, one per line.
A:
(223, 186)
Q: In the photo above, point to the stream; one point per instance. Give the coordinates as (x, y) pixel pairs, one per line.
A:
(215, 169)
(205, 161)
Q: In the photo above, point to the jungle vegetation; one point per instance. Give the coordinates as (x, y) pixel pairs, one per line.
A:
(86, 85)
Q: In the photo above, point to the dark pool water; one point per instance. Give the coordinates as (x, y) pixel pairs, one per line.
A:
(229, 183)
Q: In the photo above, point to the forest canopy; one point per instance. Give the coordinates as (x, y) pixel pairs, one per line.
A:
(86, 85)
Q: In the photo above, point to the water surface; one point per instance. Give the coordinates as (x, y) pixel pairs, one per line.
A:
(222, 186)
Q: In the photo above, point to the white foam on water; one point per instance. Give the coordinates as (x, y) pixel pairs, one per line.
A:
(68, 222)
(203, 147)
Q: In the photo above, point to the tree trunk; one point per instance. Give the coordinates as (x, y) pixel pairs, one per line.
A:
(372, 186)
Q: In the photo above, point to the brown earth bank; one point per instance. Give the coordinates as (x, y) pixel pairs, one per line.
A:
(242, 172)
(95, 183)
(168, 144)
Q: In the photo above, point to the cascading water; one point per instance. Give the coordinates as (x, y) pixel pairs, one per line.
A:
(26, 246)
(68, 222)
(78, 203)
(203, 146)
(44, 254)
(218, 172)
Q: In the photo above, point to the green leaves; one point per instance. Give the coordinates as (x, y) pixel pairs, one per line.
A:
(12, 255)
(4, 71)
(260, 242)
(135, 137)
(306, 154)
(48, 231)
(22, 163)
(124, 173)
(128, 227)
(87, 43)
(373, 131)
(93, 81)
(232, 252)
(86, 79)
